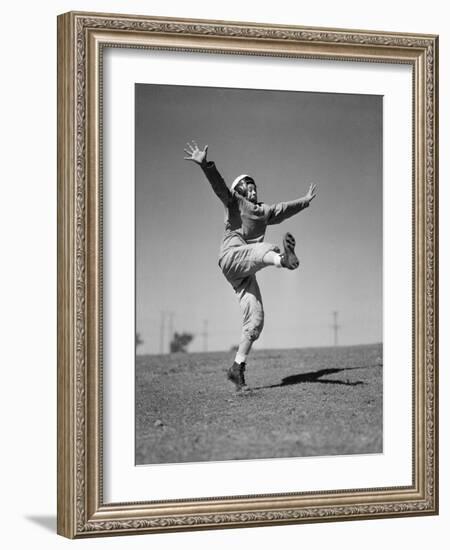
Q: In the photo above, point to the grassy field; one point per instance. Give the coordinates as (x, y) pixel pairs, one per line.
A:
(304, 402)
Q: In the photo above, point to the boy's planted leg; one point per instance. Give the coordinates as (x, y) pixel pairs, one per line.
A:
(252, 324)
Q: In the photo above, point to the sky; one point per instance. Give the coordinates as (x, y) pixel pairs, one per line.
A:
(284, 140)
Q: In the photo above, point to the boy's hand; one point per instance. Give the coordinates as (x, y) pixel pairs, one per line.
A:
(312, 192)
(195, 154)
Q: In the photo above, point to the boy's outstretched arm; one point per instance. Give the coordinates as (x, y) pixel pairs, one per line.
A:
(195, 154)
(284, 210)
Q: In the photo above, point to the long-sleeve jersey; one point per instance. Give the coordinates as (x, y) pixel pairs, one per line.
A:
(244, 220)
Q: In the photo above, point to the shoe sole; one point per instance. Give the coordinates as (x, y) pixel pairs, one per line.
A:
(289, 252)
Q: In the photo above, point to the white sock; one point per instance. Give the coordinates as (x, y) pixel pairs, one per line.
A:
(277, 260)
(240, 358)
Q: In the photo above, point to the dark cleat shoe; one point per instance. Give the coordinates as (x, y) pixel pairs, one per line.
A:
(288, 259)
(236, 375)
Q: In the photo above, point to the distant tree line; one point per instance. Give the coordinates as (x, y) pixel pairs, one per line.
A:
(180, 342)
(139, 340)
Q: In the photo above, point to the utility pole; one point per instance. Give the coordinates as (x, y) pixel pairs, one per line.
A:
(170, 330)
(335, 326)
(205, 335)
(161, 332)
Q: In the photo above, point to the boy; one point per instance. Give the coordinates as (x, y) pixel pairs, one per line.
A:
(244, 252)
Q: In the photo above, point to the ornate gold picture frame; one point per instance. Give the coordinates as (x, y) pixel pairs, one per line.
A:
(82, 41)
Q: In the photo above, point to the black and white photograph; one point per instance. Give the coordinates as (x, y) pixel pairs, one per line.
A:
(226, 251)
(259, 262)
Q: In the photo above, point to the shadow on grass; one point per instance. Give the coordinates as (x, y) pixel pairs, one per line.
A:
(312, 377)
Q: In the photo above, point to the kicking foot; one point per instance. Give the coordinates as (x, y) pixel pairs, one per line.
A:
(288, 259)
(236, 375)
